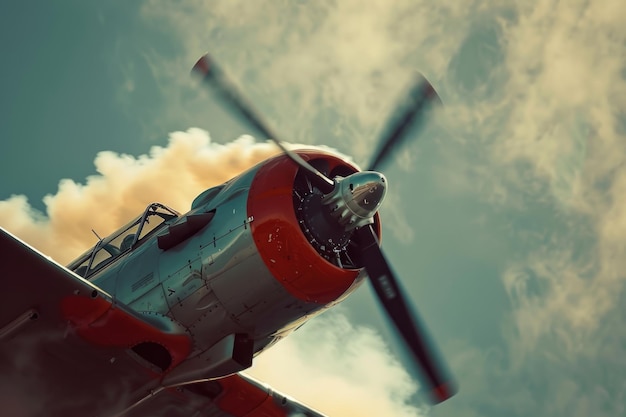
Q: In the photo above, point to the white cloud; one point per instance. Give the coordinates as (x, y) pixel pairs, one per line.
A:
(339, 369)
(124, 186)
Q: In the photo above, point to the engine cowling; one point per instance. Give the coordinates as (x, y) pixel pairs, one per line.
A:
(299, 241)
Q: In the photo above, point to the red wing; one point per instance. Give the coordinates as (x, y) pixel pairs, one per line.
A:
(65, 347)
(234, 396)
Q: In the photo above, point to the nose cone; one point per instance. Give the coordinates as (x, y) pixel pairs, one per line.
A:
(356, 198)
(364, 192)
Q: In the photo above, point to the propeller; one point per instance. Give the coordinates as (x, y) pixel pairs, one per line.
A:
(407, 324)
(421, 97)
(214, 76)
(353, 201)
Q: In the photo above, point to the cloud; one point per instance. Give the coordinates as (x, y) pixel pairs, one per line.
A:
(339, 369)
(562, 145)
(554, 135)
(124, 186)
(323, 71)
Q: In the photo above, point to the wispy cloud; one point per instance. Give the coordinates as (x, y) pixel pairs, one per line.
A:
(553, 136)
(562, 143)
(322, 71)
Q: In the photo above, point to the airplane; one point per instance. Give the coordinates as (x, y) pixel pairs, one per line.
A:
(161, 317)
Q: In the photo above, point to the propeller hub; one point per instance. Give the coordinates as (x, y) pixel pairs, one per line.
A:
(356, 198)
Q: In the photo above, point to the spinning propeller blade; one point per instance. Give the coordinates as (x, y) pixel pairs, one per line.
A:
(420, 98)
(406, 324)
(231, 97)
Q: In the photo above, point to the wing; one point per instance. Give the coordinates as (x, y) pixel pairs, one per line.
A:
(234, 396)
(66, 348)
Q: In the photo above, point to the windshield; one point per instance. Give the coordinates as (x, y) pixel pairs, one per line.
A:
(123, 240)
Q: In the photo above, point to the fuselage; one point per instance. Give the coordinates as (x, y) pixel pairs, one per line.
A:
(251, 268)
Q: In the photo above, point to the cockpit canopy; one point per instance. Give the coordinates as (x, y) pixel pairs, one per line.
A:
(123, 240)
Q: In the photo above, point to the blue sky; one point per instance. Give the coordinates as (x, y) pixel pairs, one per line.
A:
(506, 217)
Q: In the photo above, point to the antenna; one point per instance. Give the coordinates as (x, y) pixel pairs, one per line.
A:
(95, 233)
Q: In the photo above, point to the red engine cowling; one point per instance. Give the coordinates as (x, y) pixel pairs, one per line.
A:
(289, 226)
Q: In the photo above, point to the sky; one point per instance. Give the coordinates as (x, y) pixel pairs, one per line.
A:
(505, 217)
